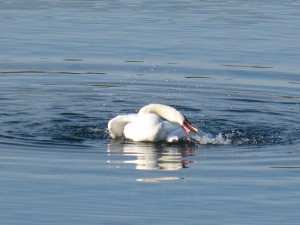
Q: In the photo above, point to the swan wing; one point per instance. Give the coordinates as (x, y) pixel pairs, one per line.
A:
(145, 127)
(116, 125)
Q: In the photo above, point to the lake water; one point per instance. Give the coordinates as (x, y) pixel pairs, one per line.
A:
(67, 67)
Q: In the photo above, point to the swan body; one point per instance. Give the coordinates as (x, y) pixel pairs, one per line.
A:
(148, 125)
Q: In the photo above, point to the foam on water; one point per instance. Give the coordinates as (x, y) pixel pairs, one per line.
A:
(219, 139)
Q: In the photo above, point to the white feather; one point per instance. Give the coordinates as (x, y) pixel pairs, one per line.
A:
(148, 125)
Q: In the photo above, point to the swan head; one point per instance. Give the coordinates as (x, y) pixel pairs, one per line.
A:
(171, 114)
(188, 127)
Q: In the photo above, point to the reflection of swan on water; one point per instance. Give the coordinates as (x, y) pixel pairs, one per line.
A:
(149, 156)
(148, 125)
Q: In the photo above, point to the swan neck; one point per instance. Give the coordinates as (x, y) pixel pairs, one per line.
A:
(164, 111)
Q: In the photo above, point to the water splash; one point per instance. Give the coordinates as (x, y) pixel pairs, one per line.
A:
(247, 135)
(219, 139)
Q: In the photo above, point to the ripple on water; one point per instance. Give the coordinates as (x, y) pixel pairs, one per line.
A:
(77, 108)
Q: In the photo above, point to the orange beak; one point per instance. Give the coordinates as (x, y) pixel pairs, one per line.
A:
(188, 127)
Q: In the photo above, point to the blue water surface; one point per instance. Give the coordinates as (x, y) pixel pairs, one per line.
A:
(68, 67)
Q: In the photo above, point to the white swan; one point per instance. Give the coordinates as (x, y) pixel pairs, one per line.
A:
(148, 125)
